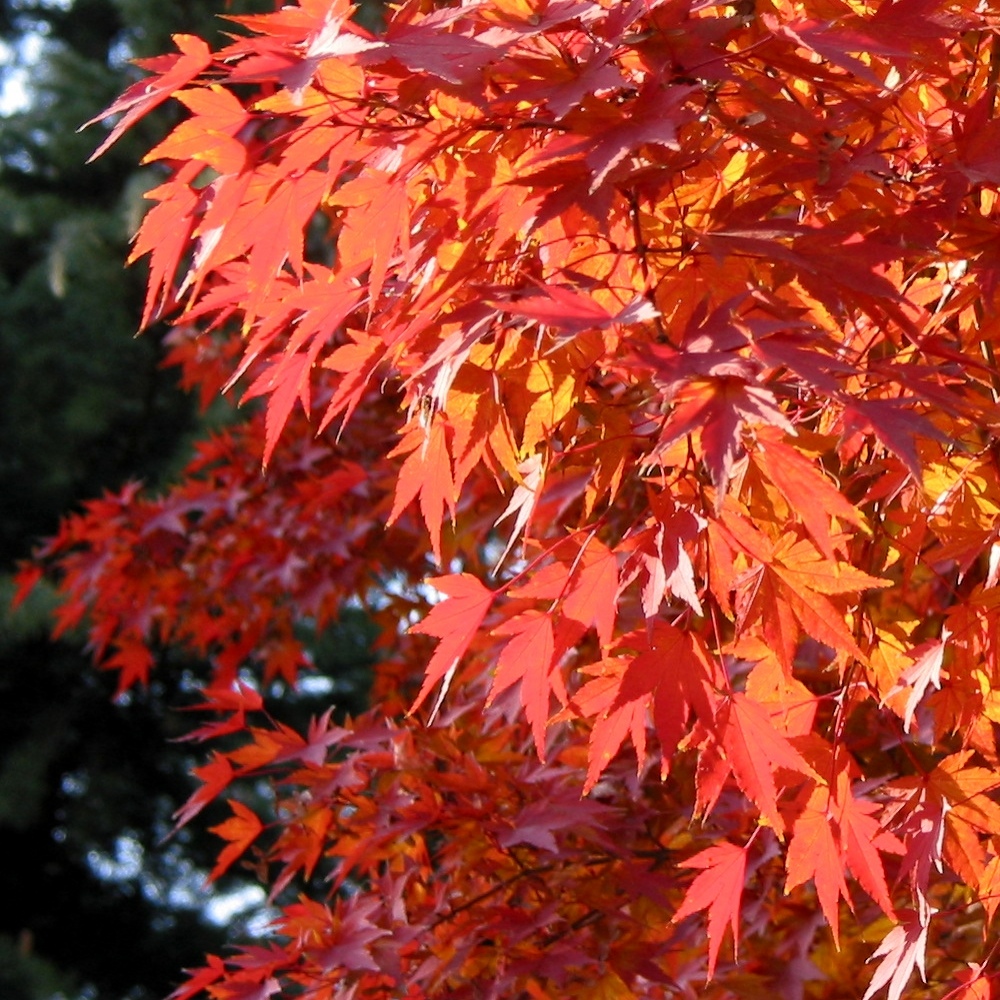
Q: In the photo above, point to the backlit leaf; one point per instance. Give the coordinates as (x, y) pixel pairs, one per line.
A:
(718, 888)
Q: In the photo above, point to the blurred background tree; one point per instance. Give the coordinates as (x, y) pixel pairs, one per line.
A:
(84, 405)
(95, 907)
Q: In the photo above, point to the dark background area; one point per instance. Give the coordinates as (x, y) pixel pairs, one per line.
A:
(94, 905)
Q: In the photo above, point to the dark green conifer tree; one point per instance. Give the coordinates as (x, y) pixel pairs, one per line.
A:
(94, 907)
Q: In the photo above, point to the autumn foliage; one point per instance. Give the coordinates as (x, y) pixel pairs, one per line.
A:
(633, 362)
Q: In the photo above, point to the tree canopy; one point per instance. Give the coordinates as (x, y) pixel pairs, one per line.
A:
(634, 363)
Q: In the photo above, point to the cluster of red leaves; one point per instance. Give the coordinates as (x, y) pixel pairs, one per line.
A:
(465, 868)
(697, 304)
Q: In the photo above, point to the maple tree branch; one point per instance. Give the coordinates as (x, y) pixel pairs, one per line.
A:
(527, 872)
(986, 347)
(492, 891)
(591, 916)
(642, 250)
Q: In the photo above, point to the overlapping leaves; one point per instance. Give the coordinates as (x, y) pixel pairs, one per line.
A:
(667, 330)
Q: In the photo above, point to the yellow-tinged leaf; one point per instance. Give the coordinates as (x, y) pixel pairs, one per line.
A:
(452, 107)
(963, 851)
(977, 984)
(792, 706)
(963, 491)
(968, 791)
(989, 887)
(556, 394)
(991, 704)
(802, 562)
(888, 660)
(797, 478)
(503, 449)
(610, 986)
(609, 457)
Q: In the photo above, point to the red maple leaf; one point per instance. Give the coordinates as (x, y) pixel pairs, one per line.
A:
(718, 889)
(171, 73)
(755, 751)
(455, 621)
(241, 830)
